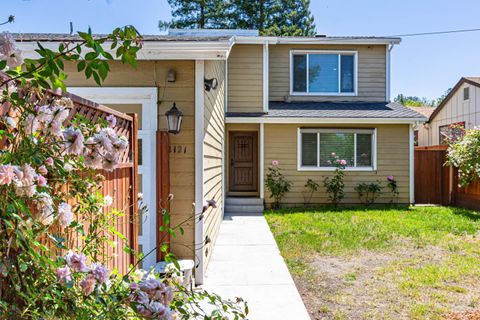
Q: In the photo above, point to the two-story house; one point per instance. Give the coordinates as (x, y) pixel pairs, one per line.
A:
(248, 100)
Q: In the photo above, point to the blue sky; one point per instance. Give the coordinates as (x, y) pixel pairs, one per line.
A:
(423, 66)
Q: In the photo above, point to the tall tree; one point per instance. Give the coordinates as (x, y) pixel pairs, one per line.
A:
(270, 17)
(291, 18)
(201, 14)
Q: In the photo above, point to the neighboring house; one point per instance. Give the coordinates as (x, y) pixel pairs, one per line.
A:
(460, 108)
(419, 133)
(297, 100)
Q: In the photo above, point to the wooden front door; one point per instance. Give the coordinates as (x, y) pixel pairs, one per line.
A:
(243, 175)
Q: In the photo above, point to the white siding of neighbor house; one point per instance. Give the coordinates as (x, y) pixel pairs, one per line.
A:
(455, 110)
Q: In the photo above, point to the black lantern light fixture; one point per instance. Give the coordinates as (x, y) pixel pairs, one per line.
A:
(174, 119)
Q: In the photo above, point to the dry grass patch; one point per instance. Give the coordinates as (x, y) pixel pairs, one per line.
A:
(417, 263)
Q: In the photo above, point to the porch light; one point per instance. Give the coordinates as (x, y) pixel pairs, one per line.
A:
(174, 119)
(210, 84)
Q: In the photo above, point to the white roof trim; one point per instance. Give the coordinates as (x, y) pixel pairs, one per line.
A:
(317, 40)
(209, 50)
(300, 120)
(155, 50)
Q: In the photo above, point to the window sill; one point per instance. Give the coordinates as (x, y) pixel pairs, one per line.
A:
(330, 169)
(323, 94)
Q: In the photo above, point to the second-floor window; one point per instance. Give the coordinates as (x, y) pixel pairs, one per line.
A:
(323, 72)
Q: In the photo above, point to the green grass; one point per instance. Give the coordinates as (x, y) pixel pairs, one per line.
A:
(441, 269)
(328, 231)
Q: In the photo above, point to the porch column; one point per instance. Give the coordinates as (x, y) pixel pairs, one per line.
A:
(262, 160)
(199, 137)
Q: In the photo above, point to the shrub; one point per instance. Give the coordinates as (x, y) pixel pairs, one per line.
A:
(310, 188)
(463, 153)
(368, 192)
(393, 187)
(335, 186)
(277, 184)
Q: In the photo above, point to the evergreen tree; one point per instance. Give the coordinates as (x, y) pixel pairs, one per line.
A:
(198, 14)
(291, 18)
(270, 17)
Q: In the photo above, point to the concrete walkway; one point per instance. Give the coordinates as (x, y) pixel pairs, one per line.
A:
(246, 263)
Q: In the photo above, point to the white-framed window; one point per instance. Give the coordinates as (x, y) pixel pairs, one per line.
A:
(320, 149)
(320, 72)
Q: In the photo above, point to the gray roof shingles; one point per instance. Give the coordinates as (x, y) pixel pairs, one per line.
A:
(334, 110)
(186, 37)
(69, 37)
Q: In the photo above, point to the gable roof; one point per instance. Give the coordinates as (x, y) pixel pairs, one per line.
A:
(347, 111)
(474, 81)
(425, 110)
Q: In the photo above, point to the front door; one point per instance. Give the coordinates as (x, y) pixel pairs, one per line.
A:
(243, 175)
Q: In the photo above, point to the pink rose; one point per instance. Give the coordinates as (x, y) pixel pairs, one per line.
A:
(342, 162)
(42, 170)
(7, 174)
(149, 284)
(64, 274)
(390, 178)
(112, 121)
(88, 284)
(77, 262)
(134, 286)
(275, 163)
(100, 272)
(41, 181)
(49, 161)
(73, 140)
(65, 215)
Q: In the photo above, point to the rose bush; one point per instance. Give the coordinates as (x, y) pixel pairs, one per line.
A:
(50, 196)
(277, 184)
(464, 153)
(335, 185)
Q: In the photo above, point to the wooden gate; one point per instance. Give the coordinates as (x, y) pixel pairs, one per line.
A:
(432, 178)
(436, 183)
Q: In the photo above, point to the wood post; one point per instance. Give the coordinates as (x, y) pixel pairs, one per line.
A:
(134, 189)
(163, 189)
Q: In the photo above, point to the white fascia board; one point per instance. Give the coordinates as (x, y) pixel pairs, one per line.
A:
(154, 50)
(292, 120)
(310, 40)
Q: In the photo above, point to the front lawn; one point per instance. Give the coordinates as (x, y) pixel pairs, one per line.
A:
(404, 263)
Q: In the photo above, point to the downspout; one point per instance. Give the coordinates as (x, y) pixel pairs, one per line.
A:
(387, 59)
(411, 163)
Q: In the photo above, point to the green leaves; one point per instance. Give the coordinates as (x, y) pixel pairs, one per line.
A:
(48, 71)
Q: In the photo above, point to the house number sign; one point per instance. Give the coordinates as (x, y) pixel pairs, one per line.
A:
(178, 149)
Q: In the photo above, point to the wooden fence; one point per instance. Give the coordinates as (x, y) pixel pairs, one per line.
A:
(436, 183)
(121, 183)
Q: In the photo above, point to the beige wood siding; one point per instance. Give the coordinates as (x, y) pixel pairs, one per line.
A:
(371, 72)
(245, 79)
(455, 110)
(392, 159)
(213, 146)
(182, 165)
